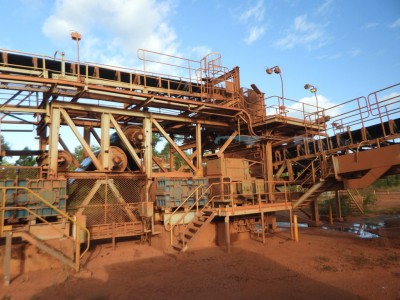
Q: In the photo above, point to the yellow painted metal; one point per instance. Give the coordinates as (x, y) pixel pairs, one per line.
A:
(295, 228)
(44, 201)
(7, 228)
(77, 248)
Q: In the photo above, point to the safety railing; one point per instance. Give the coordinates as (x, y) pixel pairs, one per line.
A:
(183, 203)
(350, 114)
(288, 108)
(186, 79)
(183, 68)
(385, 105)
(79, 227)
(230, 196)
(357, 199)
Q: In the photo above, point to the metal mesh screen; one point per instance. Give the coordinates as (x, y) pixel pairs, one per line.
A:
(106, 200)
(14, 172)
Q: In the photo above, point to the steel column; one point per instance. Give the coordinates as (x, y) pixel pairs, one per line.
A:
(55, 118)
(148, 153)
(338, 207)
(105, 141)
(7, 258)
(269, 172)
(227, 235)
(199, 159)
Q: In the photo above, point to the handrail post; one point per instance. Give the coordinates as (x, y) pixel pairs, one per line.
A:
(3, 210)
(77, 248)
(231, 192)
(197, 200)
(7, 259)
(63, 213)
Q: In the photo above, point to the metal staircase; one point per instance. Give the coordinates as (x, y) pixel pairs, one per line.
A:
(46, 247)
(311, 194)
(188, 233)
(355, 201)
(198, 223)
(27, 232)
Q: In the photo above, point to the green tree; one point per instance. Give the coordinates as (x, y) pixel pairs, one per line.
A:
(178, 160)
(26, 160)
(78, 151)
(155, 139)
(4, 146)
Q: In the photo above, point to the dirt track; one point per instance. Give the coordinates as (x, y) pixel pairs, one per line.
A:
(323, 265)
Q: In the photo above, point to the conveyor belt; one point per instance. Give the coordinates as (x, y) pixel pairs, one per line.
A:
(354, 137)
(100, 72)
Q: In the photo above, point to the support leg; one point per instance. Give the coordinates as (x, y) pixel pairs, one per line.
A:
(227, 235)
(7, 258)
(296, 229)
(338, 207)
(263, 227)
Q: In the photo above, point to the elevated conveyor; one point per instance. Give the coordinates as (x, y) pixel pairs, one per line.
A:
(267, 156)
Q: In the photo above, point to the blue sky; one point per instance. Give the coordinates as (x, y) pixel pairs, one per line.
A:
(345, 48)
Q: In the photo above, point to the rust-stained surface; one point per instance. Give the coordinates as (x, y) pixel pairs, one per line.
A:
(233, 152)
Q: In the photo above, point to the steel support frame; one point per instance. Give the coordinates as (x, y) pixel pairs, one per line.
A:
(55, 118)
(174, 145)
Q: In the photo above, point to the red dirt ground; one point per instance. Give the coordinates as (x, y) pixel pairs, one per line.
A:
(322, 265)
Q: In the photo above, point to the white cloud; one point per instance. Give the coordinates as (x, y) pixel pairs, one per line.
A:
(352, 52)
(371, 25)
(253, 19)
(199, 52)
(305, 107)
(389, 102)
(309, 105)
(395, 24)
(325, 7)
(303, 33)
(255, 33)
(254, 13)
(112, 31)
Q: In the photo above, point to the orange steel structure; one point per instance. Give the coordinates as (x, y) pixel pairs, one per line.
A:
(245, 156)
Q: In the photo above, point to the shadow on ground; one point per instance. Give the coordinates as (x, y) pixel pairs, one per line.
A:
(204, 274)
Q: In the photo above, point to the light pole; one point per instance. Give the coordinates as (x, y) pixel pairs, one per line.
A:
(313, 90)
(76, 36)
(277, 70)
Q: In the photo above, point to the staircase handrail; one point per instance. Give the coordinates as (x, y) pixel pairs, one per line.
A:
(360, 208)
(44, 201)
(190, 208)
(183, 202)
(171, 225)
(311, 164)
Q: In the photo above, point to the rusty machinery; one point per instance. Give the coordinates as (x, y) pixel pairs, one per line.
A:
(244, 156)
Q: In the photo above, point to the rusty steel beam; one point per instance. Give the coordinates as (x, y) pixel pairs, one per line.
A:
(95, 92)
(370, 165)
